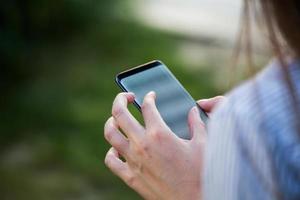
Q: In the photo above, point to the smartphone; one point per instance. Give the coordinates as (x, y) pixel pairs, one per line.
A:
(172, 100)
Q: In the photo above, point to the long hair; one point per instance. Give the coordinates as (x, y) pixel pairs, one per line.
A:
(281, 21)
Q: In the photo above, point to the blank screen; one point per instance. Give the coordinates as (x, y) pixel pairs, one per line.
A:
(172, 100)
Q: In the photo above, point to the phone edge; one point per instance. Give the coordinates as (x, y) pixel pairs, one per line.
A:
(118, 82)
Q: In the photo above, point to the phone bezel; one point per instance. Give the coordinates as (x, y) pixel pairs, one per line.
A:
(139, 69)
(133, 71)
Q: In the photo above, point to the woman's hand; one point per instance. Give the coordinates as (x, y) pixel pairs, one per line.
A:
(158, 164)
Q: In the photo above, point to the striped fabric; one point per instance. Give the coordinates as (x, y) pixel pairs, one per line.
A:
(253, 150)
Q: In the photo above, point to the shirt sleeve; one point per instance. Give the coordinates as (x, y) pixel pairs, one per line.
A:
(236, 165)
(253, 148)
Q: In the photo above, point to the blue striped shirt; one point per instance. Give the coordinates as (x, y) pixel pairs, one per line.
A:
(253, 149)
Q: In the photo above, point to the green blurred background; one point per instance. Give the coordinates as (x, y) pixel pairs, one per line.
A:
(58, 63)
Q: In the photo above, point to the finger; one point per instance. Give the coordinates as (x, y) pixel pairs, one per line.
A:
(209, 104)
(130, 126)
(197, 128)
(152, 117)
(122, 170)
(116, 165)
(115, 137)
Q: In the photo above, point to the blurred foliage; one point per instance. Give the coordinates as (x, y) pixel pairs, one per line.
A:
(58, 62)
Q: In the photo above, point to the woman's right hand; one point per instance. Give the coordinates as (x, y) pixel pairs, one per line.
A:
(208, 105)
(156, 163)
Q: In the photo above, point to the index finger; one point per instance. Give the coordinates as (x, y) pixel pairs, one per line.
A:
(152, 117)
(130, 126)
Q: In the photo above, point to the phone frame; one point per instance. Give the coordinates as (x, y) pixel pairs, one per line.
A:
(138, 69)
(133, 71)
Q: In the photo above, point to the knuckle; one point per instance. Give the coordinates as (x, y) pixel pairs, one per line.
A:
(131, 180)
(143, 107)
(107, 123)
(120, 146)
(146, 104)
(108, 160)
(139, 169)
(108, 134)
(156, 134)
(108, 131)
(117, 111)
(142, 148)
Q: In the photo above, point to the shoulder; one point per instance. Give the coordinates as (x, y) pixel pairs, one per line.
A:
(264, 99)
(262, 105)
(259, 114)
(253, 130)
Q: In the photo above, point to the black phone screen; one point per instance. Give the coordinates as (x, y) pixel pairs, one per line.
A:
(172, 100)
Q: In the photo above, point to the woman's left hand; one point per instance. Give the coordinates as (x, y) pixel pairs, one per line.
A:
(158, 164)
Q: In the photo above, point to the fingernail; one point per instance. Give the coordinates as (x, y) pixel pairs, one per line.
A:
(131, 96)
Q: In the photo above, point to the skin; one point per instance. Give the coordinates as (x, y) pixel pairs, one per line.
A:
(158, 164)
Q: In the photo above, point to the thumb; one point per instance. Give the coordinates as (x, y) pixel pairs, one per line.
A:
(209, 104)
(196, 125)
